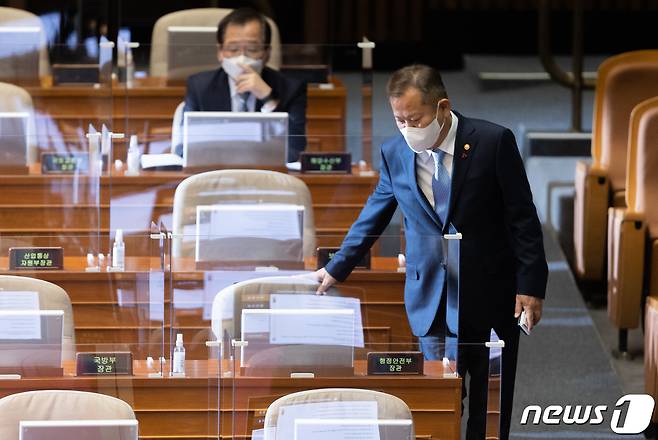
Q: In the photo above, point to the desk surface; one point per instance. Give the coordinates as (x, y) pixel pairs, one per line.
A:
(187, 408)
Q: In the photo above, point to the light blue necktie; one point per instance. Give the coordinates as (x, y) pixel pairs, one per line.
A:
(244, 97)
(440, 185)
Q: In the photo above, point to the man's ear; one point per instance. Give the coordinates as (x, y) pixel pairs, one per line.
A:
(219, 53)
(444, 104)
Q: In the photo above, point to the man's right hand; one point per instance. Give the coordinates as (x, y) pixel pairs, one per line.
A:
(325, 279)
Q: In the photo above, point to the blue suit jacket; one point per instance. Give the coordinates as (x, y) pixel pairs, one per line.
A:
(501, 252)
(209, 91)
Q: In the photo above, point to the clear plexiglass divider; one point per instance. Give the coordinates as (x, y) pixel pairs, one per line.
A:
(256, 327)
(54, 120)
(259, 131)
(92, 321)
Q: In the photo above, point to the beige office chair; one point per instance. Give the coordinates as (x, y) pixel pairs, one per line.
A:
(241, 186)
(198, 17)
(51, 297)
(17, 99)
(623, 81)
(630, 272)
(223, 312)
(58, 405)
(271, 359)
(20, 17)
(388, 407)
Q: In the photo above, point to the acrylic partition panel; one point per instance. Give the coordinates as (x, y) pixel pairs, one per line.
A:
(318, 81)
(149, 111)
(248, 327)
(54, 146)
(113, 309)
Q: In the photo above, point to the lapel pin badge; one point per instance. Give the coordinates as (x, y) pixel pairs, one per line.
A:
(466, 148)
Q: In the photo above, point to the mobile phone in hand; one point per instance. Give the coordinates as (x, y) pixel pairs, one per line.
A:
(523, 323)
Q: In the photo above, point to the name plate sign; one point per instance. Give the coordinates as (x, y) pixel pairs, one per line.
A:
(64, 163)
(104, 364)
(326, 163)
(36, 258)
(395, 363)
(325, 255)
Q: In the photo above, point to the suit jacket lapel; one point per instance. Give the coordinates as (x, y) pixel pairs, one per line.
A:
(409, 162)
(223, 91)
(461, 159)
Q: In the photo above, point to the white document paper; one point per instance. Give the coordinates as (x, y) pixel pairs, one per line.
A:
(276, 221)
(254, 321)
(213, 131)
(263, 434)
(160, 160)
(310, 326)
(352, 429)
(320, 302)
(330, 411)
(19, 300)
(221, 308)
(20, 326)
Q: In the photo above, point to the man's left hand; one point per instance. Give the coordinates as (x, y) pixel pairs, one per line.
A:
(250, 81)
(532, 306)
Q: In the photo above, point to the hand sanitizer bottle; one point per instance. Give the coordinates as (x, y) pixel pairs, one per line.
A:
(178, 365)
(133, 157)
(119, 252)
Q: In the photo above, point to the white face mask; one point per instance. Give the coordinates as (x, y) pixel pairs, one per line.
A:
(232, 65)
(420, 139)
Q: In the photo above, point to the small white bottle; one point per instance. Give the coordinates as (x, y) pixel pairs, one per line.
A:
(133, 157)
(130, 68)
(119, 252)
(178, 364)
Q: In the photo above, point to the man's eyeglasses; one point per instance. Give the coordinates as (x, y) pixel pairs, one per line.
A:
(250, 50)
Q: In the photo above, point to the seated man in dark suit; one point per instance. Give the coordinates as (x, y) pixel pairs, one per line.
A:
(244, 83)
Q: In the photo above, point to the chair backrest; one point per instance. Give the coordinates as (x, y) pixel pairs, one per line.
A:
(20, 17)
(17, 99)
(388, 407)
(642, 178)
(258, 186)
(223, 312)
(51, 297)
(623, 81)
(58, 405)
(198, 17)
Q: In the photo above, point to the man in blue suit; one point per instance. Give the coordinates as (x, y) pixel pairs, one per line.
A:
(244, 83)
(444, 170)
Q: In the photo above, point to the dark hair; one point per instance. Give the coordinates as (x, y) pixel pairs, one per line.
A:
(241, 17)
(424, 78)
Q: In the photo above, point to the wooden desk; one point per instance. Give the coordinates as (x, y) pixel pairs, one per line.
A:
(188, 408)
(149, 107)
(115, 308)
(70, 206)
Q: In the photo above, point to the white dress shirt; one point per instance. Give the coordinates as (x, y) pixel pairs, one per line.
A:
(426, 165)
(236, 99)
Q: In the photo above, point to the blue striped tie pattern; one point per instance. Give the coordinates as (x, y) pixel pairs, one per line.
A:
(244, 97)
(440, 185)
